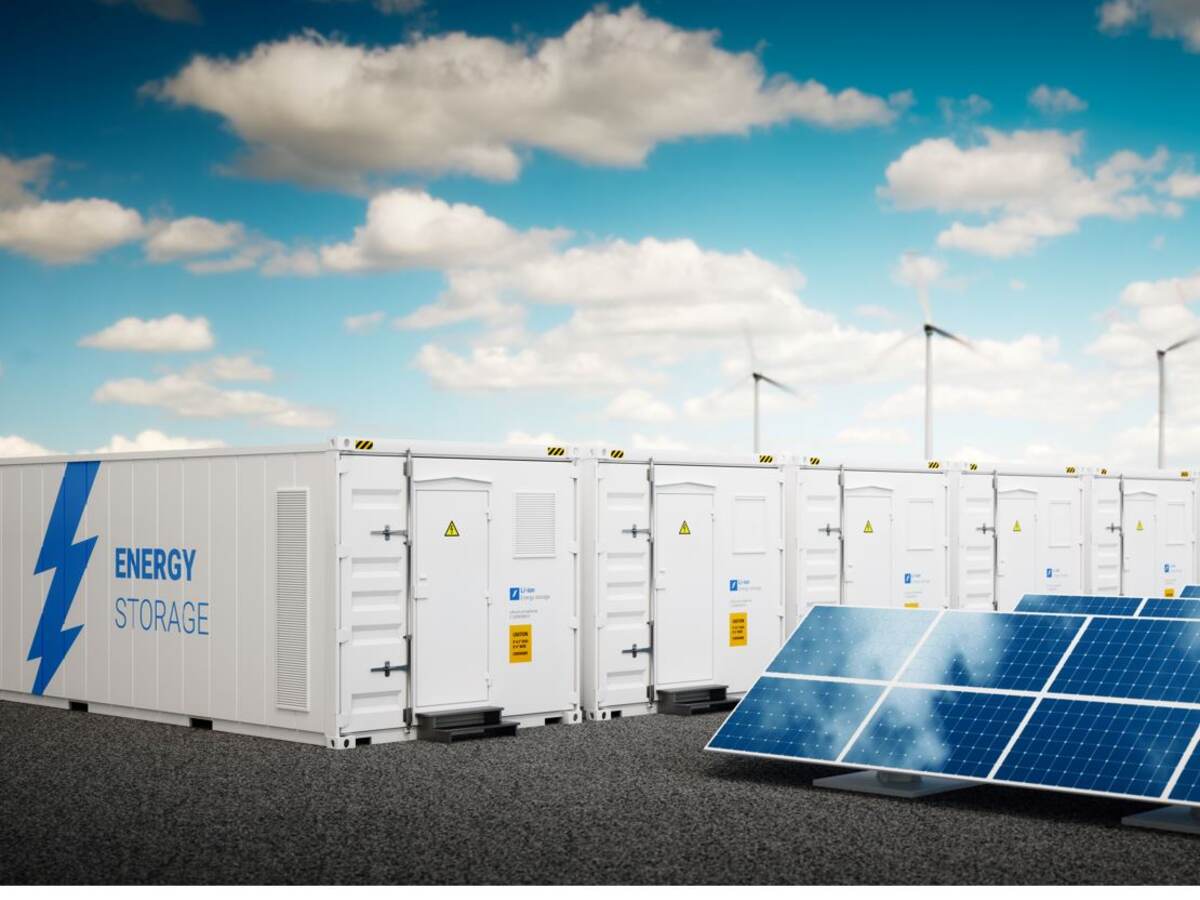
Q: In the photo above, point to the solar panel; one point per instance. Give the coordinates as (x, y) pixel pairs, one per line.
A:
(948, 732)
(1147, 659)
(1158, 608)
(852, 642)
(791, 717)
(964, 694)
(1078, 603)
(1192, 590)
(1113, 748)
(993, 650)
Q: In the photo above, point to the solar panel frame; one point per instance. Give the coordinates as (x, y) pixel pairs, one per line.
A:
(1189, 758)
(1170, 608)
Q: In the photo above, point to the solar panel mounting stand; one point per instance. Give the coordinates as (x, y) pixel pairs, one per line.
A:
(1184, 819)
(891, 784)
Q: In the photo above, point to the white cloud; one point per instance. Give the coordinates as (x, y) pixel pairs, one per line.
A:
(658, 442)
(12, 445)
(874, 311)
(872, 436)
(1016, 284)
(167, 10)
(1055, 101)
(606, 92)
(365, 323)
(152, 440)
(174, 333)
(21, 180)
(69, 231)
(190, 397)
(1176, 19)
(408, 229)
(231, 368)
(192, 236)
(1026, 182)
(639, 405)
(1183, 184)
(965, 110)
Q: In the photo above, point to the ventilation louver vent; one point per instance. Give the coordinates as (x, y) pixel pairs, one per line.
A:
(291, 599)
(533, 534)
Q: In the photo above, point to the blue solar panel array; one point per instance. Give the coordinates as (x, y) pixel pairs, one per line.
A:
(1157, 608)
(1107, 705)
(993, 650)
(1192, 590)
(1080, 604)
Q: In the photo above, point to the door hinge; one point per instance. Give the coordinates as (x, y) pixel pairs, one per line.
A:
(343, 719)
(342, 551)
(343, 635)
(408, 716)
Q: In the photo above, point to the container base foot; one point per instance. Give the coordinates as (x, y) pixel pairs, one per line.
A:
(1183, 819)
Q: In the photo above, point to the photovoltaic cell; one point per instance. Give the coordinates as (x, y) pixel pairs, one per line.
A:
(1192, 590)
(1148, 659)
(947, 732)
(1159, 608)
(849, 642)
(1116, 748)
(791, 717)
(993, 650)
(1079, 604)
(1187, 788)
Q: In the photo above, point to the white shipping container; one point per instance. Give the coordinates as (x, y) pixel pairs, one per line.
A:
(867, 536)
(1143, 533)
(682, 576)
(1019, 531)
(328, 594)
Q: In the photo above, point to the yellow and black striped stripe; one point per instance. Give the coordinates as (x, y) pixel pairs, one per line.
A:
(364, 445)
(814, 460)
(556, 451)
(617, 454)
(766, 458)
(934, 464)
(974, 467)
(1070, 470)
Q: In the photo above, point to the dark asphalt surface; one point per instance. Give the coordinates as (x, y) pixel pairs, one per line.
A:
(88, 798)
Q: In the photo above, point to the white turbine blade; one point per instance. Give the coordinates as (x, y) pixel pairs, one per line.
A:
(750, 346)
(1190, 339)
(952, 337)
(780, 385)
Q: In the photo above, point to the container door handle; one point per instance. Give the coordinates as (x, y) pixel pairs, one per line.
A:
(387, 669)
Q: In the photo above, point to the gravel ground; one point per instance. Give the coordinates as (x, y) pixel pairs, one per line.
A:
(88, 798)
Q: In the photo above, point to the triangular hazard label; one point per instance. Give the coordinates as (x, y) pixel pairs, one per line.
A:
(1017, 526)
(451, 530)
(868, 528)
(1141, 527)
(683, 529)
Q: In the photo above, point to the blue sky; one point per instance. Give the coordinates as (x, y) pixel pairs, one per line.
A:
(269, 223)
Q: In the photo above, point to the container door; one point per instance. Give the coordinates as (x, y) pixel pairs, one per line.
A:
(373, 571)
(1141, 544)
(1104, 575)
(1016, 547)
(623, 584)
(868, 547)
(683, 586)
(818, 540)
(450, 595)
(976, 541)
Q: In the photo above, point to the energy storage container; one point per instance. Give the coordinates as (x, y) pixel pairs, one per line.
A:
(336, 594)
(682, 562)
(1018, 530)
(867, 536)
(1142, 540)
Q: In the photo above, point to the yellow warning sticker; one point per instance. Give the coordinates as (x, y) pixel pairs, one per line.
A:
(1017, 526)
(1141, 527)
(912, 604)
(739, 629)
(683, 529)
(1169, 592)
(520, 643)
(868, 528)
(451, 530)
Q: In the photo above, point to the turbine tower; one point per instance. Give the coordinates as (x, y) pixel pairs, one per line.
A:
(1162, 394)
(758, 378)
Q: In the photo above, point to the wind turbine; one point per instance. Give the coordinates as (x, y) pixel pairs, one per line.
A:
(1162, 390)
(921, 281)
(758, 378)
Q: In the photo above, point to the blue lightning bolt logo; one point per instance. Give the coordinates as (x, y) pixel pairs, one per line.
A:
(69, 560)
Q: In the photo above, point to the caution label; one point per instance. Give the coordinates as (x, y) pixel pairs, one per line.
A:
(683, 529)
(451, 530)
(1017, 526)
(1169, 592)
(739, 629)
(1140, 526)
(520, 643)
(868, 528)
